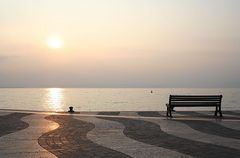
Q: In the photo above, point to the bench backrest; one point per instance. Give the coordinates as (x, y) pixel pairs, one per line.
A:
(195, 100)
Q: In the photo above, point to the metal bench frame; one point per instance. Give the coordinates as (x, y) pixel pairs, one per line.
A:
(194, 101)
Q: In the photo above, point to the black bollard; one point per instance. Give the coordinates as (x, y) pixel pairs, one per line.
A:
(70, 109)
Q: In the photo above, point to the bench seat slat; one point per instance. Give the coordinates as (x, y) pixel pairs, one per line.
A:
(195, 96)
(199, 99)
(195, 104)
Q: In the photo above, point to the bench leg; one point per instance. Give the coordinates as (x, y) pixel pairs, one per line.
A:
(216, 111)
(167, 111)
(167, 105)
(220, 111)
(170, 112)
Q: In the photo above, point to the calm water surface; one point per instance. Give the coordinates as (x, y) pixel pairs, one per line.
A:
(59, 99)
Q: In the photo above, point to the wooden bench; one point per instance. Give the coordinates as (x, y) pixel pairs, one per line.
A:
(194, 101)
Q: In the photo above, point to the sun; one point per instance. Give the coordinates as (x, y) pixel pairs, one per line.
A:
(54, 42)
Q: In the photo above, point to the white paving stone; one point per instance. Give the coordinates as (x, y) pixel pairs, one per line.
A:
(24, 143)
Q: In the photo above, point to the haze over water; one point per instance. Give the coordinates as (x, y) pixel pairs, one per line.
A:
(117, 99)
(120, 43)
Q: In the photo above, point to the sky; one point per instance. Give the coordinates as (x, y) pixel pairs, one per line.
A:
(120, 43)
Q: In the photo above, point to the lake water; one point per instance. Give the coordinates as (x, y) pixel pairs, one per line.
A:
(105, 99)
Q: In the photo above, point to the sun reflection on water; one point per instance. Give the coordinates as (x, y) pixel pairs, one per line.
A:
(55, 99)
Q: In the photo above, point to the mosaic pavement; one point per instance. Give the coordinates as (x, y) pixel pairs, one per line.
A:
(119, 135)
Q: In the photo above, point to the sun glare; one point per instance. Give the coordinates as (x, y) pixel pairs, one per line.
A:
(54, 42)
(55, 99)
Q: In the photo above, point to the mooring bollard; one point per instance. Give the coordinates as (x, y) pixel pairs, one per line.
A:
(71, 109)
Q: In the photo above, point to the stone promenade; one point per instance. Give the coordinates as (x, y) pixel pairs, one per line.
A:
(143, 134)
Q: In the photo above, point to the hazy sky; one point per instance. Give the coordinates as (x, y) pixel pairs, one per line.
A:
(120, 43)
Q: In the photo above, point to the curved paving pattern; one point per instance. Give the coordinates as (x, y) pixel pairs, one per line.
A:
(184, 131)
(110, 134)
(149, 114)
(24, 143)
(212, 128)
(69, 140)
(106, 136)
(12, 123)
(151, 133)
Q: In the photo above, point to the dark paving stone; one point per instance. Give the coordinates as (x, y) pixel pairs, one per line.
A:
(212, 128)
(69, 140)
(149, 114)
(108, 113)
(151, 133)
(12, 123)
